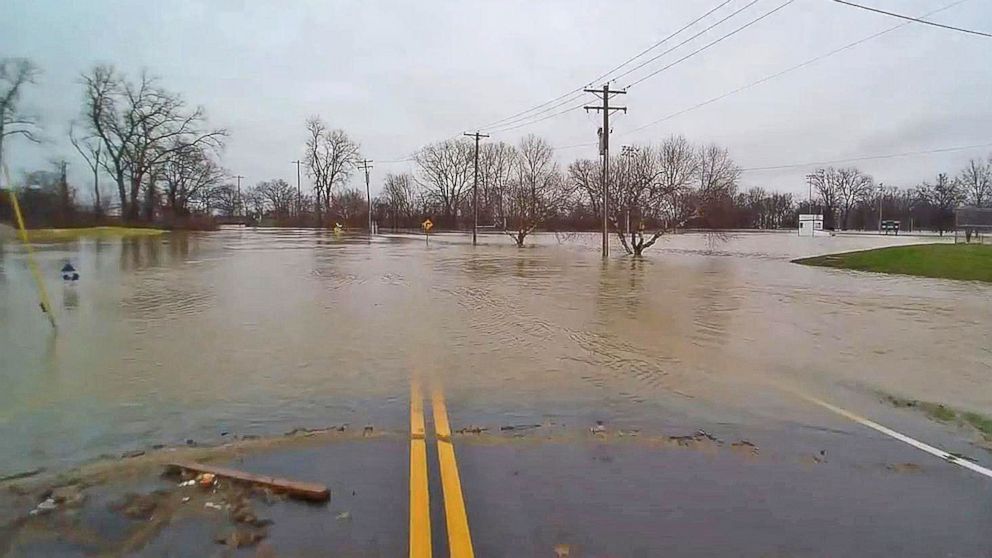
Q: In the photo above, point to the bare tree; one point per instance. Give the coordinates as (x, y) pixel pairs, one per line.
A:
(188, 176)
(717, 179)
(651, 188)
(825, 182)
(537, 189)
(853, 187)
(781, 209)
(141, 125)
(943, 196)
(330, 159)
(446, 174)
(678, 165)
(90, 148)
(585, 177)
(224, 199)
(975, 182)
(654, 191)
(278, 196)
(496, 164)
(399, 196)
(350, 206)
(634, 196)
(15, 74)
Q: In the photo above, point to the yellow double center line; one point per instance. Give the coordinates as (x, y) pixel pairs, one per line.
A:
(456, 518)
(420, 505)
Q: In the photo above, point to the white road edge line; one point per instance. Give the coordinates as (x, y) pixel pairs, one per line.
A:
(902, 437)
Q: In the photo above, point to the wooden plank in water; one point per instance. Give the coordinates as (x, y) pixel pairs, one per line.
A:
(302, 490)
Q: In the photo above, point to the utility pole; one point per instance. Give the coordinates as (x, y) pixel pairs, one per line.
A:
(63, 191)
(238, 202)
(299, 195)
(475, 186)
(365, 164)
(809, 182)
(881, 190)
(604, 149)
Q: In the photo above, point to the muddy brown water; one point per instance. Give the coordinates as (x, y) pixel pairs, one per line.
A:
(207, 335)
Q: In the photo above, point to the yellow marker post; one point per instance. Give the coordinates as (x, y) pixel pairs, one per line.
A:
(459, 537)
(420, 511)
(46, 305)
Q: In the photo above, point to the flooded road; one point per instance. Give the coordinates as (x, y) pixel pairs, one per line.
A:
(203, 335)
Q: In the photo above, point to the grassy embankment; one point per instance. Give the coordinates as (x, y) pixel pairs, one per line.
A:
(969, 262)
(939, 412)
(58, 235)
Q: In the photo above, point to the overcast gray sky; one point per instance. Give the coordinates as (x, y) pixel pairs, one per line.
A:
(397, 75)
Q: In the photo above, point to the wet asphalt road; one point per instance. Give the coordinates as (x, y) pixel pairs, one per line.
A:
(825, 488)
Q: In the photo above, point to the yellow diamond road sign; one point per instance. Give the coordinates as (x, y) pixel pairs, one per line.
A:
(427, 225)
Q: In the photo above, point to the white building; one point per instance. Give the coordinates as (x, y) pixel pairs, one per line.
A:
(810, 224)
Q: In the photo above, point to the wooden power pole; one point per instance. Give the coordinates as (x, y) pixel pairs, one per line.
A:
(604, 150)
(475, 187)
(239, 201)
(366, 165)
(299, 193)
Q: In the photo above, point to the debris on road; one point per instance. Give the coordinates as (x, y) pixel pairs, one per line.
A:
(302, 490)
(23, 474)
(745, 446)
(70, 496)
(132, 453)
(904, 467)
(562, 551)
(241, 537)
(818, 458)
(138, 506)
(45, 506)
(213, 506)
(343, 515)
(301, 431)
(600, 428)
(367, 431)
(206, 480)
(961, 456)
(700, 438)
(472, 430)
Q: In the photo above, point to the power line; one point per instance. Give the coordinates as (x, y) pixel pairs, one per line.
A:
(653, 58)
(510, 124)
(701, 49)
(913, 19)
(516, 121)
(869, 158)
(787, 70)
(652, 74)
(504, 120)
(552, 115)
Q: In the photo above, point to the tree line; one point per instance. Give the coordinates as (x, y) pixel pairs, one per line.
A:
(163, 160)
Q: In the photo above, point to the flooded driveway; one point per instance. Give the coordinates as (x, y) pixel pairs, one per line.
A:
(203, 335)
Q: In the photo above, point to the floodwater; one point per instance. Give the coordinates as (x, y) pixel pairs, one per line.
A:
(207, 335)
